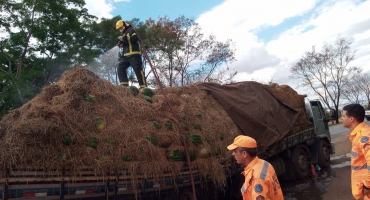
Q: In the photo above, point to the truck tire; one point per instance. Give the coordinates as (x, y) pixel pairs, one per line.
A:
(368, 118)
(278, 164)
(300, 163)
(324, 154)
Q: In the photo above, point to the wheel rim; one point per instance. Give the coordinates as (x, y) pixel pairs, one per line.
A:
(326, 153)
(302, 161)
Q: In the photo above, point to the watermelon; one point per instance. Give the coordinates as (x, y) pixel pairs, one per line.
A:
(89, 98)
(92, 142)
(147, 92)
(126, 158)
(152, 138)
(196, 126)
(61, 155)
(169, 126)
(100, 125)
(148, 99)
(133, 89)
(155, 124)
(112, 142)
(177, 155)
(192, 154)
(195, 138)
(69, 139)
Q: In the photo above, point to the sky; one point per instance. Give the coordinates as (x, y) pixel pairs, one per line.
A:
(269, 35)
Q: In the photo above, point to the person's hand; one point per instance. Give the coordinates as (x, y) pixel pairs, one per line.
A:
(120, 38)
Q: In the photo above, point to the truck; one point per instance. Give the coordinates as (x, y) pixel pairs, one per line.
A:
(85, 138)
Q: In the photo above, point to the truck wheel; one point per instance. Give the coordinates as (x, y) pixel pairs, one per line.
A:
(278, 164)
(300, 161)
(324, 154)
(368, 118)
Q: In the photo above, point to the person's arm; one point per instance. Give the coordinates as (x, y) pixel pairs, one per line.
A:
(365, 148)
(260, 190)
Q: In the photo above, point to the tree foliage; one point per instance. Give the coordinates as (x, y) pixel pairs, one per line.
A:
(327, 72)
(43, 39)
(183, 54)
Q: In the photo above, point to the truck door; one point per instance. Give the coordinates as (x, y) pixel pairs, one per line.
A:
(319, 119)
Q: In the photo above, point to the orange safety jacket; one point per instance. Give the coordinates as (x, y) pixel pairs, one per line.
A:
(360, 159)
(261, 182)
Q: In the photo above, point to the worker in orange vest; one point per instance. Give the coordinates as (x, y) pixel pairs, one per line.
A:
(353, 118)
(261, 182)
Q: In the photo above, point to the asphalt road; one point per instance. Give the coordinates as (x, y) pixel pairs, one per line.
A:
(338, 128)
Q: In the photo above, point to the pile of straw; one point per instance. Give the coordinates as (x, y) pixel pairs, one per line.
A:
(108, 124)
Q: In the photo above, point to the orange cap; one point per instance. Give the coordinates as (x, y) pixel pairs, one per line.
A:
(243, 141)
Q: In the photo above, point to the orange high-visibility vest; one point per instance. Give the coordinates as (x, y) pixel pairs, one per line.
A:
(261, 182)
(360, 159)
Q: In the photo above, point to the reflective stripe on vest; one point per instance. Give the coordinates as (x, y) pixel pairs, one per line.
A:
(264, 171)
(242, 189)
(356, 168)
(354, 154)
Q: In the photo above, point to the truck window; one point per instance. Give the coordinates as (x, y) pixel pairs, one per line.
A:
(316, 111)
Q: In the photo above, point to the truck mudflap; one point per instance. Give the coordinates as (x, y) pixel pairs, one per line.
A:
(46, 185)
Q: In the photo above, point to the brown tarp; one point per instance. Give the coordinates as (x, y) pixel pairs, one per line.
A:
(264, 112)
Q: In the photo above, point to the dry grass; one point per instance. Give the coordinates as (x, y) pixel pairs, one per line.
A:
(34, 135)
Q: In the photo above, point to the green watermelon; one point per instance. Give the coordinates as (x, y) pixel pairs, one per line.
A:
(133, 89)
(155, 124)
(92, 142)
(177, 155)
(90, 98)
(152, 138)
(184, 127)
(126, 158)
(195, 138)
(192, 154)
(148, 92)
(148, 99)
(61, 155)
(69, 139)
(100, 125)
(112, 142)
(169, 126)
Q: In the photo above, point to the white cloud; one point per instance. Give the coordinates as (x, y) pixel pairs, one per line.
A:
(121, 1)
(239, 20)
(99, 8)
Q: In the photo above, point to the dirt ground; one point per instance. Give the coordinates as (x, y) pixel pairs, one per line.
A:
(340, 187)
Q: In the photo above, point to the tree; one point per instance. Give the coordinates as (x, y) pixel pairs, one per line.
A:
(43, 39)
(182, 54)
(327, 72)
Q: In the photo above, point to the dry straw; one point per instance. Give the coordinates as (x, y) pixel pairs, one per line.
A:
(84, 121)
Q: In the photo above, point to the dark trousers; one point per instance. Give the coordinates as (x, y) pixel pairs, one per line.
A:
(137, 64)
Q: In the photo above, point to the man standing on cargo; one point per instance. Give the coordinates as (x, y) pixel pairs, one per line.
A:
(129, 42)
(353, 118)
(261, 182)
